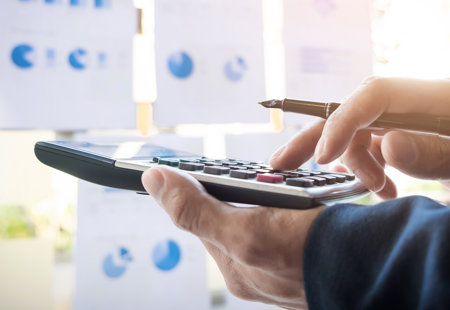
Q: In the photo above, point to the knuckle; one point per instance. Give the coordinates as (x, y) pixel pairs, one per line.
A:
(370, 79)
(375, 86)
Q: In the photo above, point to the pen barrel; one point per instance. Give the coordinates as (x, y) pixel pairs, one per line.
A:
(410, 122)
(305, 107)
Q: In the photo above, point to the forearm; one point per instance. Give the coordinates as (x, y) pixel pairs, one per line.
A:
(391, 256)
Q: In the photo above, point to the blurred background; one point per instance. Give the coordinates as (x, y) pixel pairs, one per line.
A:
(185, 74)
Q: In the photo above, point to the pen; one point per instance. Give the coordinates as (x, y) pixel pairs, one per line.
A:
(411, 122)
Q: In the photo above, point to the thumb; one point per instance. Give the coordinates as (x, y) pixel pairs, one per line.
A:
(418, 155)
(190, 207)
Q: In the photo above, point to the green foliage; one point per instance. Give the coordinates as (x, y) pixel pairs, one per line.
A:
(43, 222)
(15, 222)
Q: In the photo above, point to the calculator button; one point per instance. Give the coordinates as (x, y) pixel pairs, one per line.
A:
(286, 174)
(300, 182)
(155, 159)
(330, 179)
(339, 178)
(263, 171)
(239, 168)
(217, 170)
(189, 160)
(168, 162)
(228, 163)
(317, 180)
(348, 176)
(211, 163)
(243, 174)
(303, 174)
(242, 162)
(313, 172)
(252, 166)
(191, 166)
(269, 178)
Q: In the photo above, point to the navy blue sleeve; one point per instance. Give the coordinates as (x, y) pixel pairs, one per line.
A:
(394, 255)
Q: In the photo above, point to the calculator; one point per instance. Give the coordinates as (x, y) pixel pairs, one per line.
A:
(120, 165)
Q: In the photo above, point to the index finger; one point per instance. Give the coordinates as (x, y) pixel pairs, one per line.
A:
(374, 97)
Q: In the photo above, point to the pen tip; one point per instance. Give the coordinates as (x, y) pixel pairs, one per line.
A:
(271, 103)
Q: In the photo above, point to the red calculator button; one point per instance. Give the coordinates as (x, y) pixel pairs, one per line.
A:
(269, 178)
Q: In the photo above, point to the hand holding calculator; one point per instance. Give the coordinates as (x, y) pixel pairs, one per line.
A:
(231, 180)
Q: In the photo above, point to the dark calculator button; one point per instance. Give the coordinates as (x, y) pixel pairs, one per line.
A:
(303, 173)
(317, 180)
(269, 178)
(330, 179)
(313, 172)
(252, 166)
(263, 170)
(169, 162)
(300, 182)
(242, 162)
(240, 168)
(265, 166)
(243, 174)
(211, 163)
(286, 174)
(339, 178)
(228, 163)
(189, 160)
(348, 176)
(155, 159)
(191, 166)
(217, 170)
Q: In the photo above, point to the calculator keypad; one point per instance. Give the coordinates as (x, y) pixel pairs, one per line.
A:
(260, 172)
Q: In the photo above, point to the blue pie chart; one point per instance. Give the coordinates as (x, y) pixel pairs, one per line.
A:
(78, 59)
(20, 56)
(113, 268)
(235, 68)
(180, 65)
(166, 255)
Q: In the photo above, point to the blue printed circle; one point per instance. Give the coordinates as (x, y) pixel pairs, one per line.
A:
(20, 56)
(111, 268)
(235, 68)
(166, 255)
(77, 59)
(180, 65)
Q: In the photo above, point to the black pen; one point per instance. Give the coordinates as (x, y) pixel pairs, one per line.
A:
(411, 122)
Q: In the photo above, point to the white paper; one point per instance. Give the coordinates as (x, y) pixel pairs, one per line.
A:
(131, 256)
(328, 50)
(209, 61)
(66, 65)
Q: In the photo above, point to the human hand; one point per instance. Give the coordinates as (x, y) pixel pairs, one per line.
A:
(366, 151)
(259, 250)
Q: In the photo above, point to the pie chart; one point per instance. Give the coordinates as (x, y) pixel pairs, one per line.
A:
(235, 68)
(78, 59)
(114, 266)
(166, 255)
(20, 56)
(180, 65)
